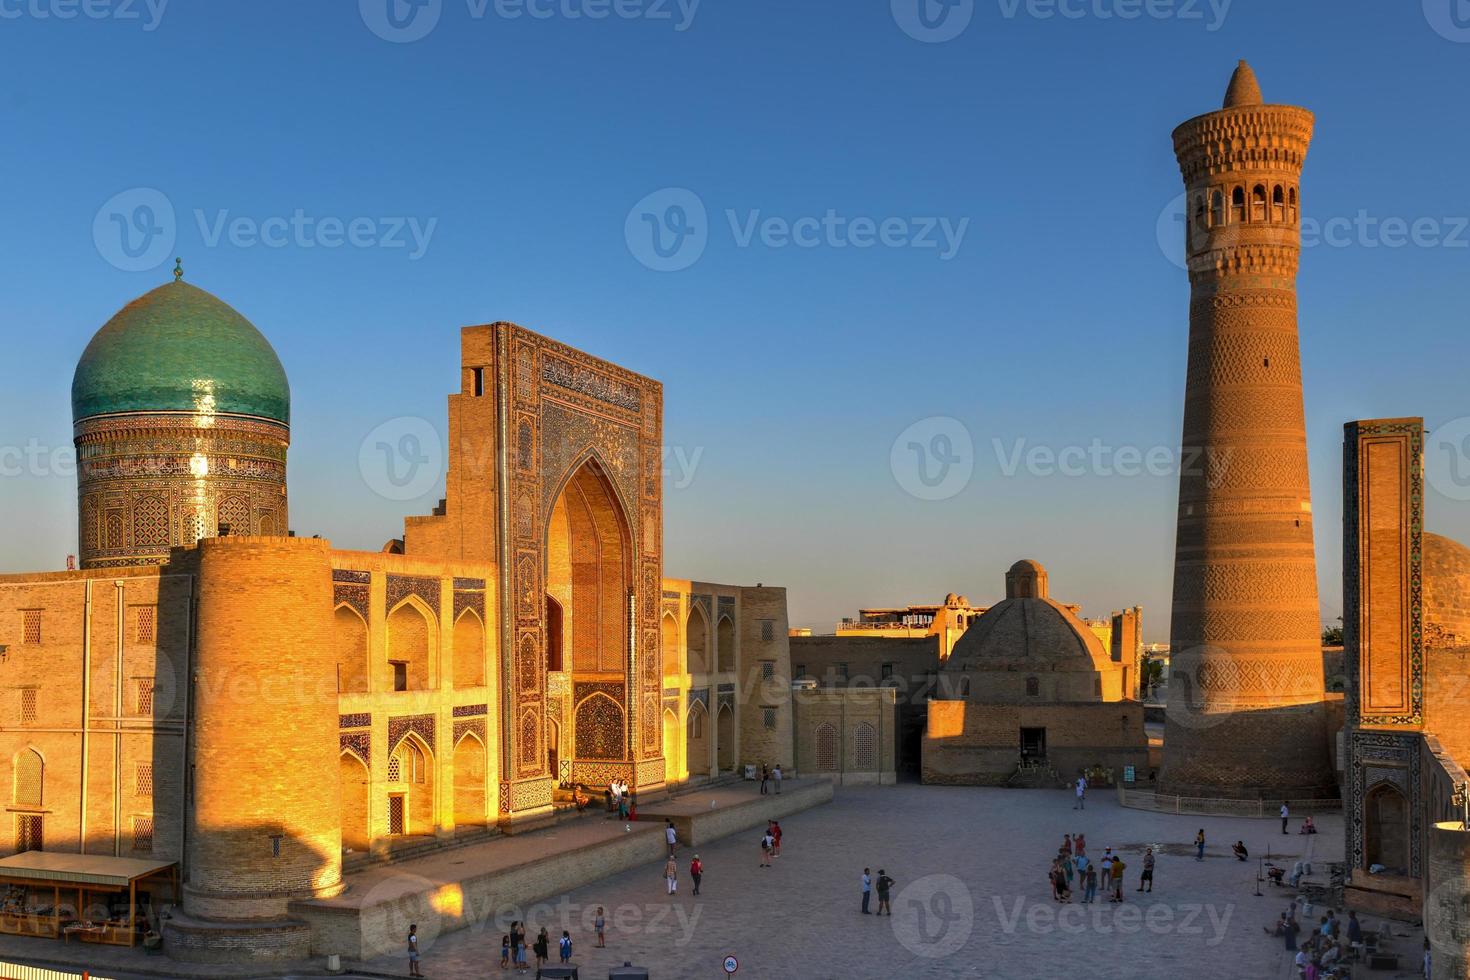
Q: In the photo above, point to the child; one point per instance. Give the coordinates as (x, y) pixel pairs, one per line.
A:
(600, 924)
(566, 946)
(505, 952)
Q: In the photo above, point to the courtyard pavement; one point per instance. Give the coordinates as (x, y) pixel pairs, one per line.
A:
(971, 898)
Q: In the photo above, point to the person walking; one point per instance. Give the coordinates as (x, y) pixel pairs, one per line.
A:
(696, 872)
(671, 837)
(867, 890)
(775, 838)
(542, 948)
(671, 874)
(413, 951)
(505, 952)
(1285, 816)
(766, 845)
(776, 778)
(600, 924)
(885, 888)
(1081, 803)
(1089, 893)
(518, 945)
(1199, 845)
(1107, 870)
(565, 943)
(1079, 844)
(765, 779)
(1148, 871)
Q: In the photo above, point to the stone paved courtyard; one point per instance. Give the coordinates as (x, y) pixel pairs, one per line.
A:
(971, 898)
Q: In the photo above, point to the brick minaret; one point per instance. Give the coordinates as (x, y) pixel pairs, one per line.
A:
(1246, 714)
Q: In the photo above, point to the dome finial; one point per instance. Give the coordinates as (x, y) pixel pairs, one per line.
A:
(1244, 89)
(178, 269)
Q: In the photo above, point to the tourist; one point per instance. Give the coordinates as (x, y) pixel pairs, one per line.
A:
(542, 949)
(1285, 816)
(776, 777)
(632, 806)
(1304, 967)
(1148, 871)
(1289, 933)
(1199, 845)
(1066, 866)
(696, 872)
(566, 946)
(1279, 928)
(775, 838)
(610, 799)
(671, 837)
(767, 842)
(867, 889)
(580, 798)
(413, 951)
(765, 779)
(1089, 893)
(671, 874)
(1307, 826)
(1118, 867)
(885, 887)
(1107, 869)
(1079, 843)
(1355, 930)
(1081, 803)
(505, 952)
(600, 924)
(1059, 891)
(518, 945)
(1238, 848)
(1067, 844)
(622, 805)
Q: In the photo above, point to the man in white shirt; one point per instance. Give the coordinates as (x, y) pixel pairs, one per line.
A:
(1081, 803)
(1285, 816)
(670, 837)
(867, 890)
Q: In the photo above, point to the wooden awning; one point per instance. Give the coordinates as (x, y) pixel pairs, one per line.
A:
(102, 871)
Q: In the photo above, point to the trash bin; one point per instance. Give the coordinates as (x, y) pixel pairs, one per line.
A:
(627, 972)
(557, 973)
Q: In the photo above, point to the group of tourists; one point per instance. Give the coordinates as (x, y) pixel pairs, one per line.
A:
(768, 776)
(621, 801)
(1072, 869)
(513, 947)
(885, 890)
(1321, 955)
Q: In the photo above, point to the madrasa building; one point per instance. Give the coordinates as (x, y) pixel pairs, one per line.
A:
(212, 699)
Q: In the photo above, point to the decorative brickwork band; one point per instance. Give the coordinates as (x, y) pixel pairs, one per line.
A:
(470, 710)
(400, 587)
(423, 725)
(359, 744)
(359, 720)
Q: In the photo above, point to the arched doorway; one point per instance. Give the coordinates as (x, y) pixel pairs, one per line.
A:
(589, 554)
(469, 781)
(696, 740)
(1386, 831)
(356, 805)
(469, 650)
(696, 641)
(411, 788)
(673, 768)
(350, 635)
(410, 647)
(725, 738)
(669, 644)
(725, 644)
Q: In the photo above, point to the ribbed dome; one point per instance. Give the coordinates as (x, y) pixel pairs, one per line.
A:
(179, 348)
(1446, 575)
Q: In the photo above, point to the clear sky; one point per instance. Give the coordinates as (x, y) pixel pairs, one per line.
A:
(521, 149)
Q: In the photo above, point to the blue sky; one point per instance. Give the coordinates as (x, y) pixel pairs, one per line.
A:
(519, 147)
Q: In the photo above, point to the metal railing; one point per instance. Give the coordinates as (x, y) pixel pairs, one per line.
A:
(17, 971)
(1138, 799)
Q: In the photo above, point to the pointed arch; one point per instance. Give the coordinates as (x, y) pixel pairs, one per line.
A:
(725, 652)
(673, 765)
(600, 729)
(825, 739)
(411, 778)
(29, 785)
(697, 640)
(697, 739)
(725, 737)
(469, 650)
(350, 638)
(411, 645)
(1386, 827)
(669, 644)
(471, 769)
(865, 747)
(356, 787)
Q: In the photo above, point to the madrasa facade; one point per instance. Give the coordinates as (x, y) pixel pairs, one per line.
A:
(267, 711)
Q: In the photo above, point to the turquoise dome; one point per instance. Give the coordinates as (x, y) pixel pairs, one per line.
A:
(179, 348)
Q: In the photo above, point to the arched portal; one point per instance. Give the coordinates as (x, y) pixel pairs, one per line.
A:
(672, 767)
(411, 788)
(669, 644)
(1386, 834)
(469, 650)
(697, 641)
(469, 781)
(725, 644)
(589, 581)
(725, 738)
(696, 740)
(350, 636)
(356, 806)
(410, 647)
